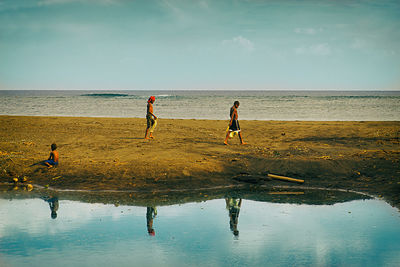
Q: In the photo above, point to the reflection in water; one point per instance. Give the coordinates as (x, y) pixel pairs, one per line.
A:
(53, 203)
(150, 215)
(356, 233)
(233, 206)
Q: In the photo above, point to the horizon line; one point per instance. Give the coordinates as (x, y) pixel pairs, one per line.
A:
(199, 89)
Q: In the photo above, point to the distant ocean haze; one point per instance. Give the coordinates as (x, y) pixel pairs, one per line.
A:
(215, 105)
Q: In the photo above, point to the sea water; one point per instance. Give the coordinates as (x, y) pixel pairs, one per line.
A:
(355, 233)
(254, 105)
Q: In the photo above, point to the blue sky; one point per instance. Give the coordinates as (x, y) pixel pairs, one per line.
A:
(199, 44)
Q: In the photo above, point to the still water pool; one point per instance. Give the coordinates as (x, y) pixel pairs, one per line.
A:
(222, 232)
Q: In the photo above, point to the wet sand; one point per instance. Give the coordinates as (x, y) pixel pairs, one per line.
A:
(111, 154)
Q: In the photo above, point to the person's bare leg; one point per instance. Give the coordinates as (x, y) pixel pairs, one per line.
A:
(226, 138)
(241, 139)
(48, 165)
(147, 132)
(151, 129)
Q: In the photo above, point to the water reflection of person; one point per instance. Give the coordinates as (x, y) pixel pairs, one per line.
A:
(150, 215)
(233, 206)
(53, 203)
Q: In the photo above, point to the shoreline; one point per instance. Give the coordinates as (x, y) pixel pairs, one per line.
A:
(262, 193)
(100, 153)
(200, 119)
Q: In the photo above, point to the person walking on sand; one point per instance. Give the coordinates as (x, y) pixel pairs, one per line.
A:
(151, 118)
(234, 124)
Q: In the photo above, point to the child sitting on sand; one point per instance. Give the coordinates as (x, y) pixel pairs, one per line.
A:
(151, 118)
(53, 159)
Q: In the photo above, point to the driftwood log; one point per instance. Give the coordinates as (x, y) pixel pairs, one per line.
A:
(284, 178)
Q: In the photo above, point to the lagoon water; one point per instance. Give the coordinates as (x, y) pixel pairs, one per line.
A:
(255, 105)
(355, 233)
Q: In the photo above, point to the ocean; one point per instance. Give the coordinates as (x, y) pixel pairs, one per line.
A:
(210, 105)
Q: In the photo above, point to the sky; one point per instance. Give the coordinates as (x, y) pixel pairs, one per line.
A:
(200, 44)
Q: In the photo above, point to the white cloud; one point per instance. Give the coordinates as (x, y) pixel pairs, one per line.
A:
(203, 4)
(321, 49)
(300, 50)
(57, 2)
(317, 49)
(309, 31)
(15, 5)
(174, 9)
(241, 42)
(358, 44)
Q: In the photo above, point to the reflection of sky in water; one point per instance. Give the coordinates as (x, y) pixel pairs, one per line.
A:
(364, 233)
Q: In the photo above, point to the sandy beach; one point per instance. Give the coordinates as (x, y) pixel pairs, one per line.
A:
(111, 154)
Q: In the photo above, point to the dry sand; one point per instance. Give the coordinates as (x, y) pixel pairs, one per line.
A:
(110, 153)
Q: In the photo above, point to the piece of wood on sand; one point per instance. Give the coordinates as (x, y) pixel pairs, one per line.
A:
(284, 178)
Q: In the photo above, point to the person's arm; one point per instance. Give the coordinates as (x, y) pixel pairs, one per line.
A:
(152, 114)
(51, 157)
